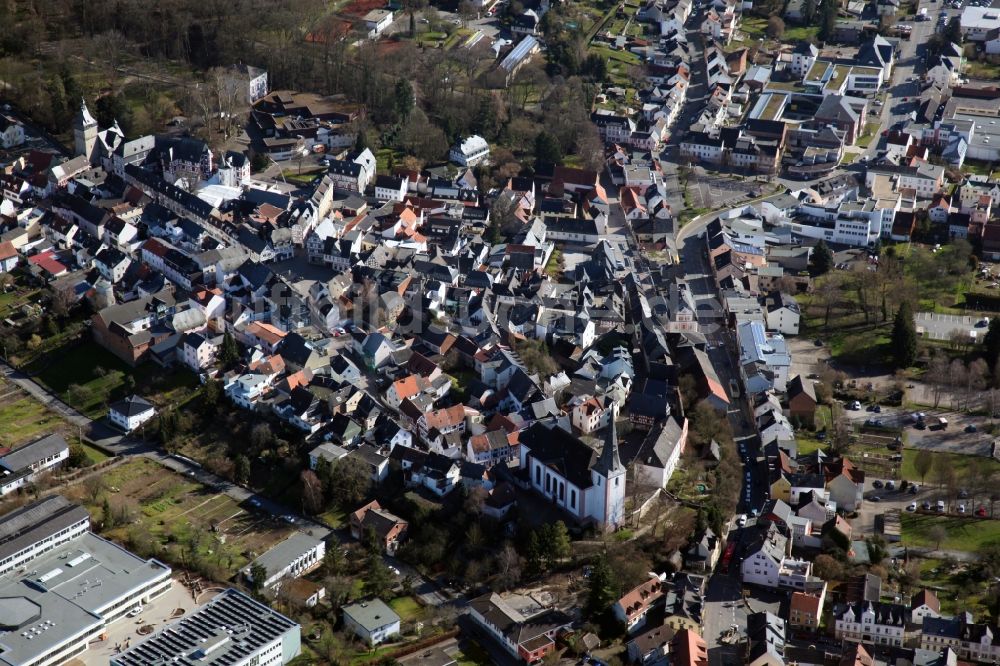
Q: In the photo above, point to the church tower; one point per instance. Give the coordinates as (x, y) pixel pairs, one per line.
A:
(608, 476)
(85, 133)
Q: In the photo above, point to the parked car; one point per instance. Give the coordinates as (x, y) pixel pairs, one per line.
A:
(890, 485)
(874, 498)
(939, 507)
(914, 489)
(854, 405)
(912, 506)
(961, 508)
(742, 520)
(926, 505)
(963, 494)
(877, 484)
(981, 512)
(971, 428)
(877, 409)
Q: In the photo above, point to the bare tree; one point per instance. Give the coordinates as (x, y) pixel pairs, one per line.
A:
(937, 534)
(937, 375)
(509, 565)
(828, 292)
(228, 97)
(976, 380)
(956, 379)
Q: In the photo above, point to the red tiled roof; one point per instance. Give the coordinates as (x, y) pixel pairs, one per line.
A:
(47, 262)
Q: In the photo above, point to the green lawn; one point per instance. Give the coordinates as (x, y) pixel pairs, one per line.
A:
(870, 133)
(624, 57)
(968, 534)
(860, 346)
(801, 33)
(961, 464)
(334, 517)
(100, 378)
(305, 178)
(407, 608)
(94, 455)
(753, 27)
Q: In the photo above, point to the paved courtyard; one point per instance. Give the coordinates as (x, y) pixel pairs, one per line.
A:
(156, 614)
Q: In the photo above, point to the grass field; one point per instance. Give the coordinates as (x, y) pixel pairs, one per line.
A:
(22, 418)
(967, 534)
(100, 378)
(961, 464)
(180, 520)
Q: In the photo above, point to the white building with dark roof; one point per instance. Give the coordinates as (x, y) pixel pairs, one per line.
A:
(25, 463)
(470, 151)
(37, 528)
(131, 412)
(295, 556)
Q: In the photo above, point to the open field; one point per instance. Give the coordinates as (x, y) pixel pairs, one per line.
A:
(88, 377)
(962, 465)
(22, 418)
(179, 520)
(967, 534)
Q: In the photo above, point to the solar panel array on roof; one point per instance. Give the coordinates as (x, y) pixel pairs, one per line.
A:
(226, 631)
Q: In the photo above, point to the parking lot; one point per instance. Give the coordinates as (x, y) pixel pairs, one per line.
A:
(935, 326)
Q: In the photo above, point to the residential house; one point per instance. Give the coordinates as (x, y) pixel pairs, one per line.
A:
(781, 313)
(969, 640)
(528, 633)
(924, 604)
(766, 561)
(802, 399)
(806, 609)
(389, 529)
(875, 623)
(632, 609)
(470, 151)
(660, 452)
(372, 621)
(131, 412)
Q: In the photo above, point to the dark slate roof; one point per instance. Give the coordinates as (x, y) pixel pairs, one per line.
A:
(132, 406)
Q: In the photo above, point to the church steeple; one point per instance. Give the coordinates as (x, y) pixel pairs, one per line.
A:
(610, 463)
(85, 133)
